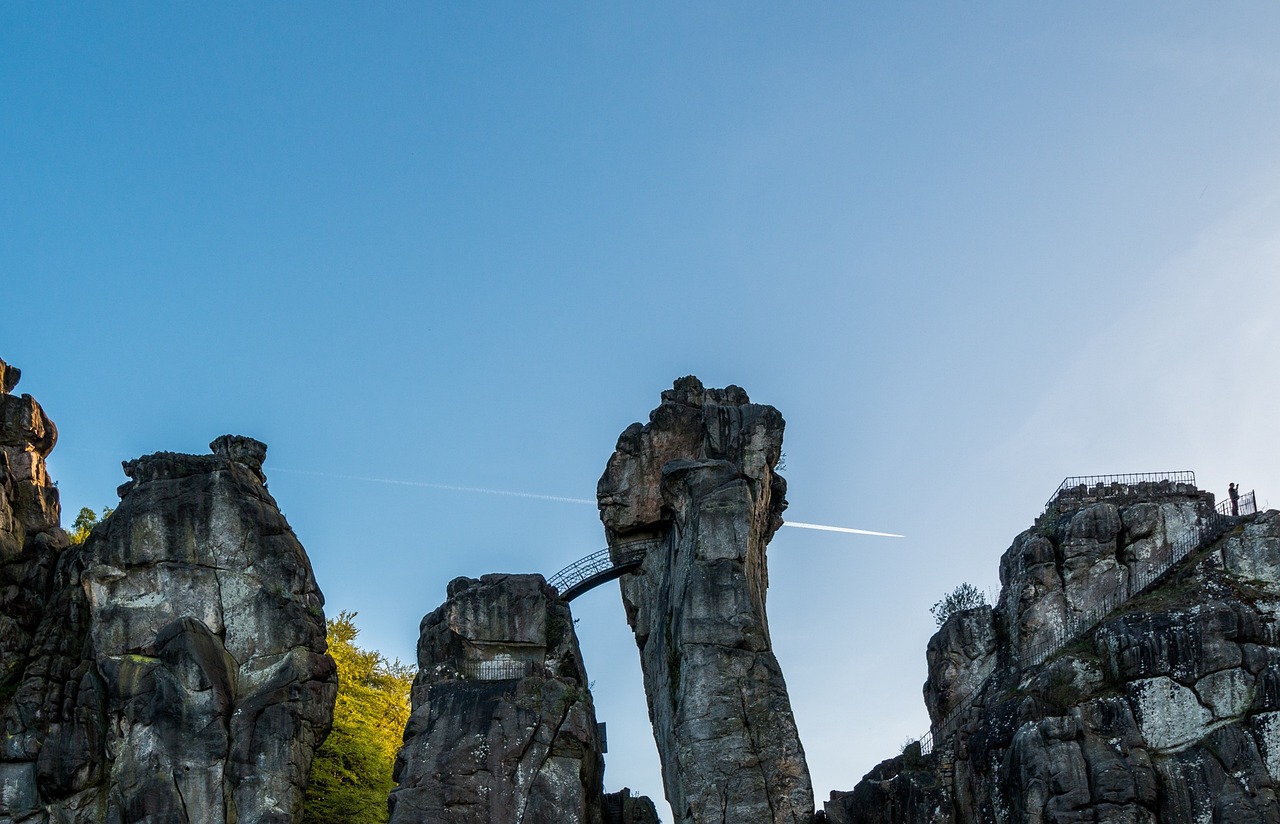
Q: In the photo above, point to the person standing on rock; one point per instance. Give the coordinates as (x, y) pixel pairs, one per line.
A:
(1234, 492)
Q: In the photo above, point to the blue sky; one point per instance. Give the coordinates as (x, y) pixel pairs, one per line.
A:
(966, 252)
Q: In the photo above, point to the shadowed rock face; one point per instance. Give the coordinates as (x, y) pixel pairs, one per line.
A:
(30, 539)
(698, 483)
(503, 729)
(177, 670)
(1168, 711)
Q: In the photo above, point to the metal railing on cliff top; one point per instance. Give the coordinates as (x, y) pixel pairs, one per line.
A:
(1197, 536)
(1084, 483)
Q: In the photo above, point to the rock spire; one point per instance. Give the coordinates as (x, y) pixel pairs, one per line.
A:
(172, 667)
(503, 728)
(698, 485)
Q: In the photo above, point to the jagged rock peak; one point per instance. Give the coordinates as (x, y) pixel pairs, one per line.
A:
(9, 376)
(236, 452)
(23, 424)
(692, 423)
(689, 391)
(30, 513)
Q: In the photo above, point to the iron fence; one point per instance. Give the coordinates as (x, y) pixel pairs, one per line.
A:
(1087, 482)
(1246, 504)
(499, 670)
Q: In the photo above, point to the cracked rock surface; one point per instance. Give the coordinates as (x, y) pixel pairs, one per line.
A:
(1166, 712)
(503, 730)
(175, 670)
(697, 485)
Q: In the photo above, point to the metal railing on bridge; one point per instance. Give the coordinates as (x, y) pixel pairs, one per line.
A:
(600, 567)
(1196, 537)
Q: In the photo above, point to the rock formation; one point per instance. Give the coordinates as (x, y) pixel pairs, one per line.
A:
(171, 668)
(30, 539)
(1168, 710)
(697, 486)
(624, 808)
(503, 729)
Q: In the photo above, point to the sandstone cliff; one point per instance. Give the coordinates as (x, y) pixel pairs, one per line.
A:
(30, 538)
(170, 669)
(1100, 689)
(696, 489)
(503, 729)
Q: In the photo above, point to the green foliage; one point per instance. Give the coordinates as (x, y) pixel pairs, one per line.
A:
(555, 629)
(84, 524)
(965, 596)
(351, 772)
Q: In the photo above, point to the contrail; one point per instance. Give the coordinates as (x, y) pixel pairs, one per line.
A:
(825, 528)
(560, 498)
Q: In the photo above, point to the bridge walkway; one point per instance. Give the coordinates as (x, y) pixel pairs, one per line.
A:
(585, 574)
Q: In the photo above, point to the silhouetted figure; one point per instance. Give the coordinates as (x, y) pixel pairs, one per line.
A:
(1235, 499)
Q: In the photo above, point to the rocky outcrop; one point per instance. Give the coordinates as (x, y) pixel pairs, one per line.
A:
(30, 538)
(698, 485)
(624, 808)
(1168, 710)
(176, 670)
(503, 728)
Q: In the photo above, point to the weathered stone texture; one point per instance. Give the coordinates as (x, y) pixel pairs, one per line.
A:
(503, 728)
(624, 808)
(698, 482)
(1165, 713)
(960, 656)
(30, 539)
(177, 671)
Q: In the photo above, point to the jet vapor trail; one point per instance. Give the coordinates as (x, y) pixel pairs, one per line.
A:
(849, 529)
(560, 498)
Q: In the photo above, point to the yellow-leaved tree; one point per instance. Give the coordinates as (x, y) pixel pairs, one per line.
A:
(84, 524)
(351, 772)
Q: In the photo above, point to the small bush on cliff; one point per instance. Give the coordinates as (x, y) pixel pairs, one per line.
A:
(351, 772)
(965, 596)
(84, 524)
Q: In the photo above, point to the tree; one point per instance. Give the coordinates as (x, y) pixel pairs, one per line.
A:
(351, 772)
(965, 596)
(85, 522)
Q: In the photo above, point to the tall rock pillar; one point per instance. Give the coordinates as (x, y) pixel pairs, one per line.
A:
(503, 729)
(176, 671)
(30, 539)
(697, 486)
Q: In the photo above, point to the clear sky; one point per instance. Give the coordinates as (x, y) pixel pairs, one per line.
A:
(965, 251)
